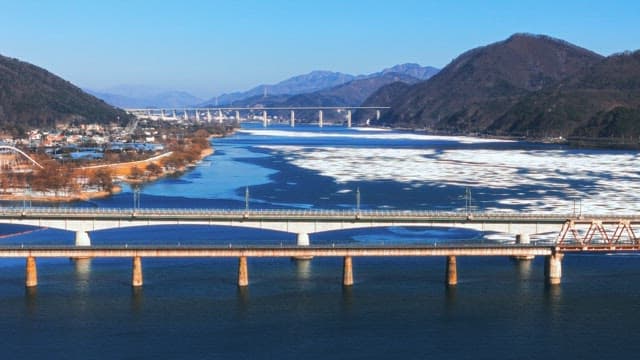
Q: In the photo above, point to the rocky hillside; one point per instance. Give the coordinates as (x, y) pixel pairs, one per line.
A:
(33, 97)
(481, 85)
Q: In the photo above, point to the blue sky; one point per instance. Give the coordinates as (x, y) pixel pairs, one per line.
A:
(210, 47)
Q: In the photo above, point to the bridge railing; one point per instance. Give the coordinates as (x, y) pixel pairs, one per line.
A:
(302, 213)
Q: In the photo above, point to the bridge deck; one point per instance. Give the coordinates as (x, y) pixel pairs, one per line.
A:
(272, 251)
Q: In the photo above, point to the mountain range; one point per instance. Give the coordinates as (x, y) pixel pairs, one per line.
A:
(527, 85)
(129, 97)
(323, 88)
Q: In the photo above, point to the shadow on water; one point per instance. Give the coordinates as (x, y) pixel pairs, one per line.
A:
(137, 299)
(450, 296)
(82, 272)
(30, 300)
(242, 300)
(347, 300)
(303, 268)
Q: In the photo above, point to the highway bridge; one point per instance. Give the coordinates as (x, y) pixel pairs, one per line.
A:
(222, 114)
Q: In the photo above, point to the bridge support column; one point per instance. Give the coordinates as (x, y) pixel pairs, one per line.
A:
(452, 271)
(243, 272)
(523, 239)
(377, 115)
(136, 278)
(264, 119)
(31, 272)
(347, 271)
(303, 240)
(553, 268)
(209, 117)
(320, 121)
(237, 116)
(348, 118)
(220, 117)
(82, 238)
(293, 118)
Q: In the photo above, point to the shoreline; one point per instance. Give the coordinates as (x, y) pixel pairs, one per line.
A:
(120, 175)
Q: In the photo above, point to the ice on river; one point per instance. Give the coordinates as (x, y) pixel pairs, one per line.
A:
(606, 182)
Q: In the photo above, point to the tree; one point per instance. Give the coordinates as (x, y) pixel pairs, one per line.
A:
(154, 169)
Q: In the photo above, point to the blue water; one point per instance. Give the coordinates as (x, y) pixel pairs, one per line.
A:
(397, 308)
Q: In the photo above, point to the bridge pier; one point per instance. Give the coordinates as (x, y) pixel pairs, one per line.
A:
(220, 117)
(348, 118)
(264, 119)
(523, 239)
(209, 117)
(82, 238)
(293, 118)
(136, 278)
(553, 268)
(347, 271)
(320, 121)
(452, 271)
(31, 272)
(377, 115)
(237, 116)
(303, 240)
(243, 272)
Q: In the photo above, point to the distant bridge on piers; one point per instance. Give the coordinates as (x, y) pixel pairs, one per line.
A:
(233, 114)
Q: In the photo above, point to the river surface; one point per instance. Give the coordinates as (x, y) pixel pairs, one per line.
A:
(397, 308)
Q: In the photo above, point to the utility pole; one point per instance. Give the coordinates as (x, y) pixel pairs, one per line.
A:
(246, 199)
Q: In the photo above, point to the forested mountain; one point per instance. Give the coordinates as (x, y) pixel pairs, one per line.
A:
(481, 85)
(602, 101)
(33, 97)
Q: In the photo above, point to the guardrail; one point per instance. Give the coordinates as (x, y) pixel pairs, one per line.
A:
(303, 213)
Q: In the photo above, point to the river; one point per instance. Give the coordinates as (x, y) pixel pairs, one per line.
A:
(396, 308)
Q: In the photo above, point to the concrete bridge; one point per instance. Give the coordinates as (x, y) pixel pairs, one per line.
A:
(553, 256)
(221, 114)
(580, 230)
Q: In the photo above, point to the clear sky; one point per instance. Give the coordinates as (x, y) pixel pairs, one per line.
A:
(210, 47)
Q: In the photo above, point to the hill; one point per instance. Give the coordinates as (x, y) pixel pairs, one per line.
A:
(602, 101)
(33, 97)
(482, 84)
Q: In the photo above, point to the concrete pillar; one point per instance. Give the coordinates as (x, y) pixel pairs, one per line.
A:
(452, 271)
(553, 268)
(209, 117)
(197, 115)
(349, 118)
(175, 117)
(31, 272)
(303, 240)
(237, 116)
(136, 278)
(220, 117)
(162, 116)
(264, 118)
(347, 271)
(293, 118)
(523, 239)
(186, 115)
(377, 114)
(82, 238)
(243, 272)
(320, 118)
